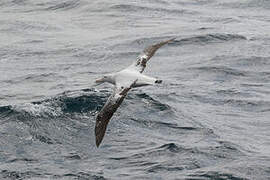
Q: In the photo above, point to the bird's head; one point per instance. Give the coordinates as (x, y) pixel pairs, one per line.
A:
(105, 78)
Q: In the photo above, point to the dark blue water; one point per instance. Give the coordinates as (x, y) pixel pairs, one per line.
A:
(210, 119)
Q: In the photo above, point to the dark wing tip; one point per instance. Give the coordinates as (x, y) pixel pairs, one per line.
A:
(166, 42)
(99, 137)
(100, 129)
(98, 141)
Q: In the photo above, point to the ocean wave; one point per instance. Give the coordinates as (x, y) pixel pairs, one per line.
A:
(5, 109)
(21, 6)
(249, 105)
(155, 159)
(252, 62)
(154, 104)
(151, 10)
(263, 4)
(215, 175)
(38, 109)
(208, 38)
(233, 99)
(18, 27)
(54, 120)
(198, 2)
(63, 6)
(221, 71)
(82, 101)
(45, 77)
(55, 107)
(6, 174)
(80, 175)
(149, 124)
(253, 69)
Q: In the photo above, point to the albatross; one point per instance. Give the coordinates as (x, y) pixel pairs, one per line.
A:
(123, 81)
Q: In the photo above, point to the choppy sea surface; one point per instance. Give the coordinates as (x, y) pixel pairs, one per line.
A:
(209, 119)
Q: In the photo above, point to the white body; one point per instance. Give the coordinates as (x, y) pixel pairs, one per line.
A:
(129, 75)
(126, 76)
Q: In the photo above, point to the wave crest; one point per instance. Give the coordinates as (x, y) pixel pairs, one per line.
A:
(85, 101)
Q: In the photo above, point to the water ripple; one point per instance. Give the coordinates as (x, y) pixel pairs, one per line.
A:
(208, 38)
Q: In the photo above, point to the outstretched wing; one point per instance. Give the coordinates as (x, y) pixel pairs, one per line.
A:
(108, 110)
(148, 52)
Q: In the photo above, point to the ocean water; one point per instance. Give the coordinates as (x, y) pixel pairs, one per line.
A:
(209, 119)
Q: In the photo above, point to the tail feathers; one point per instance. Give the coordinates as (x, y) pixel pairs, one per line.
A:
(158, 81)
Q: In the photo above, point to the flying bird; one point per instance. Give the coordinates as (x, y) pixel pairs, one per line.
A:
(123, 81)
